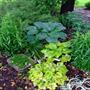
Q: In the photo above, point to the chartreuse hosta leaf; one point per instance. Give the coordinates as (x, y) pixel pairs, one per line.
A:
(65, 58)
(48, 75)
(57, 50)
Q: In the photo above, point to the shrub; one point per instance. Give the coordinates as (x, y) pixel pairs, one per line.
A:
(49, 74)
(81, 51)
(11, 35)
(87, 5)
(75, 21)
(45, 31)
(31, 10)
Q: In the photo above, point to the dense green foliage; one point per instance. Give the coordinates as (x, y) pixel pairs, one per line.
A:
(87, 5)
(45, 31)
(58, 51)
(75, 21)
(20, 60)
(48, 74)
(81, 51)
(27, 10)
(11, 35)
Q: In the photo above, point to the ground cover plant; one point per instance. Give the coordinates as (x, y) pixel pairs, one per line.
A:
(77, 22)
(20, 62)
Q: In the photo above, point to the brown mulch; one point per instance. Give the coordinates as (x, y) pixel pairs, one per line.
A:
(10, 79)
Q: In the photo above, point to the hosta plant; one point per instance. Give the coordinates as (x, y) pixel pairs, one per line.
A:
(48, 75)
(57, 51)
(45, 31)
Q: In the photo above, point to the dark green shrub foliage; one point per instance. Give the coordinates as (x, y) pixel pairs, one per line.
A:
(31, 10)
(20, 60)
(81, 51)
(45, 31)
(87, 5)
(11, 35)
(75, 21)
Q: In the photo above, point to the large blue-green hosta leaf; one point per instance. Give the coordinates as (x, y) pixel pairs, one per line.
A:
(32, 39)
(57, 25)
(42, 25)
(32, 30)
(62, 35)
(51, 39)
(42, 36)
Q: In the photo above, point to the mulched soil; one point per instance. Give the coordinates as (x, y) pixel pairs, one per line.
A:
(10, 79)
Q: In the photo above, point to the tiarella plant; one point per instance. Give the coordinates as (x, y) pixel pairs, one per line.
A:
(48, 74)
(45, 31)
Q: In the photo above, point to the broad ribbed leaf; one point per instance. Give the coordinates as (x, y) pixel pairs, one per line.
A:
(41, 36)
(57, 25)
(50, 39)
(31, 39)
(62, 35)
(54, 34)
(32, 30)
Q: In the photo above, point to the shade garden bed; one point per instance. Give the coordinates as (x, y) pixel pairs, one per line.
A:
(41, 49)
(10, 79)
